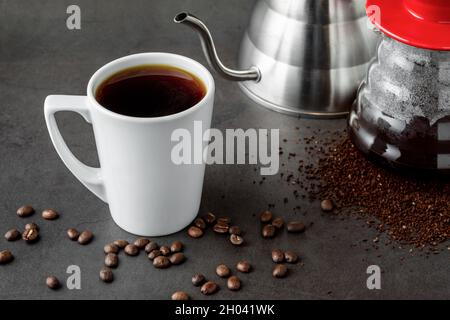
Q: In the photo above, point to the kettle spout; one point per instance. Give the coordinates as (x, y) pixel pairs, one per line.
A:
(210, 51)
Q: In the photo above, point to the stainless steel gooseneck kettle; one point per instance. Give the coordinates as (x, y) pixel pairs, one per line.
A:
(301, 57)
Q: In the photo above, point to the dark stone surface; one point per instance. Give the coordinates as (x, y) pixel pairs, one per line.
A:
(39, 56)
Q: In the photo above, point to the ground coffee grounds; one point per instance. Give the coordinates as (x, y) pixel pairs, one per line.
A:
(411, 210)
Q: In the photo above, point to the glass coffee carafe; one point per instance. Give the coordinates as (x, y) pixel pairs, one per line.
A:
(402, 113)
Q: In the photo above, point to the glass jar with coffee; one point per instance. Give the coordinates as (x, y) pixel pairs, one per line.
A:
(402, 113)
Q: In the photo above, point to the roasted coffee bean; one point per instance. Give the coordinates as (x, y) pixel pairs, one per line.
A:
(209, 218)
(31, 225)
(152, 245)
(198, 279)
(277, 256)
(153, 254)
(327, 205)
(177, 258)
(6, 257)
(121, 243)
(53, 282)
(85, 237)
(161, 262)
(12, 235)
(244, 266)
(290, 257)
(200, 223)
(30, 235)
(278, 223)
(266, 216)
(223, 271)
(221, 228)
(131, 250)
(180, 295)
(236, 240)
(111, 260)
(50, 214)
(209, 288)
(235, 230)
(234, 283)
(165, 250)
(176, 246)
(111, 248)
(268, 231)
(280, 271)
(106, 275)
(296, 227)
(25, 211)
(195, 232)
(141, 243)
(224, 221)
(73, 234)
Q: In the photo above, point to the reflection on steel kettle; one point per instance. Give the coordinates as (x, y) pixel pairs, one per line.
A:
(301, 57)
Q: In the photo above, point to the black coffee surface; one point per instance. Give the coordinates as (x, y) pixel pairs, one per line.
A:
(150, 91)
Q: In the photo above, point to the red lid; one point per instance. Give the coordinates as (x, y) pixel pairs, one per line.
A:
(419, 23)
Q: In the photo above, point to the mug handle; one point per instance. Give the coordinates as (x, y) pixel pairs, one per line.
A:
(90, 177)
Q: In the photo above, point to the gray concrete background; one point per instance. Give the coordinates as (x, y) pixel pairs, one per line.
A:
(39, 56)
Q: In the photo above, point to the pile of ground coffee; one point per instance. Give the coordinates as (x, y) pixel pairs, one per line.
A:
(411, 210)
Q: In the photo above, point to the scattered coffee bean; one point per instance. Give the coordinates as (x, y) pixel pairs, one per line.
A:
(209, 288)
(106, 275)
(235, 230)
(266, 216)
(131, 250)
(161, 262)
(195, 232)
(111, 248)
(53, 282)
(111, 260)
(6, 257)
(223, 271)
(210, 218)
(73, 234)
(198, 279)
(177, 258)
(327, 205)
(200, 223)
(221, 228)
(85, 237)
(224, 221)
(152, 245)
(30, 235)
(280, 271)
(236, 240)
(50, 214)
(31, 225)
(12, 235)
(277, 256)
(290, 257)
(25, 211)
(141, 243)
(121, 243)
(234, 283)
(243, 266)
(268, 231)
(176, 246)
(278, 223)
(296, 227)
(180, 295)
(153, 254)
(165, 250)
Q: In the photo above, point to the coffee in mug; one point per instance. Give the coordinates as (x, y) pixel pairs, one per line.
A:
(150, 91)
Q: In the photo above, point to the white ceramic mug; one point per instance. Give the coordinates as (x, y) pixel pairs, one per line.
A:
(147, 193)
